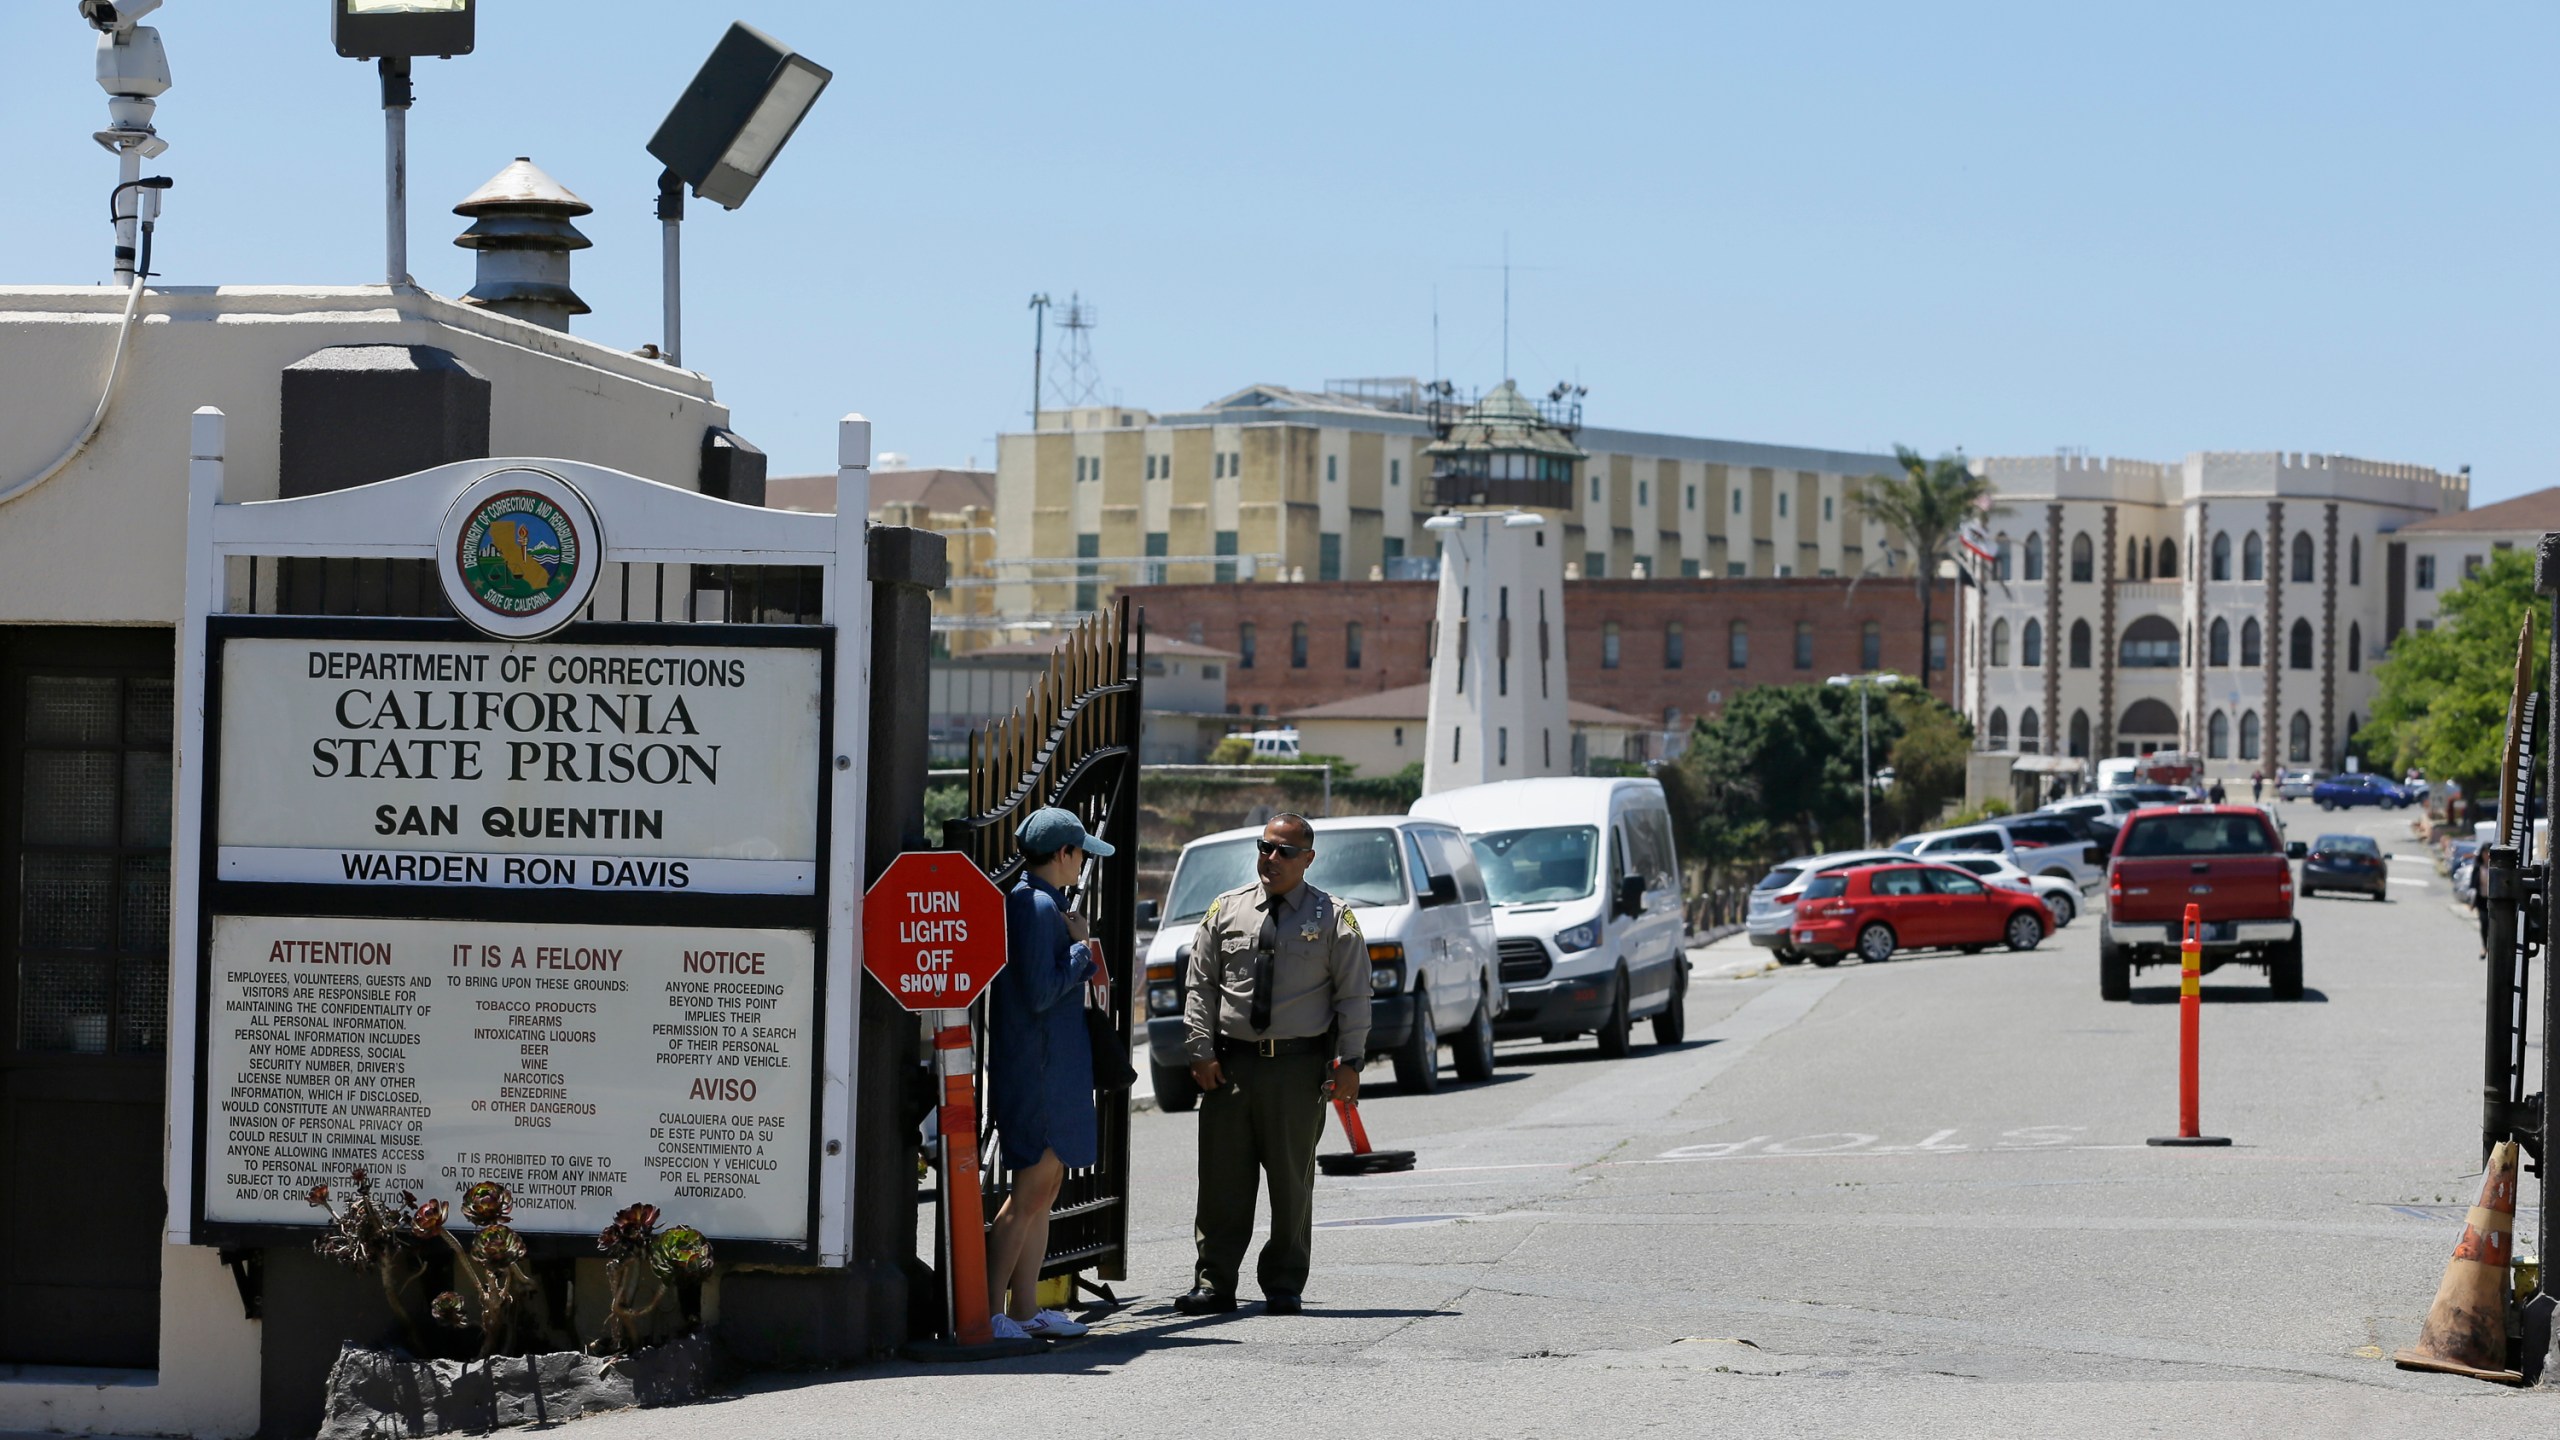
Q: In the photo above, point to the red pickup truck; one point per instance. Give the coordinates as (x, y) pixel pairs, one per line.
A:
(2225, 860)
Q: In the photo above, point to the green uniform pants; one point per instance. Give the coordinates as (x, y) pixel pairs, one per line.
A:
(1262, 1124)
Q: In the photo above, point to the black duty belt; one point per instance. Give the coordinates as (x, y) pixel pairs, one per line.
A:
(1273, 1049)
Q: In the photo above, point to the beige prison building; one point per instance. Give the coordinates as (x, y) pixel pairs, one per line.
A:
(1274, 483)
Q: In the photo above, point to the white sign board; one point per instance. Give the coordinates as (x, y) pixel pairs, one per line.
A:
(587, 1067)
(486, 763)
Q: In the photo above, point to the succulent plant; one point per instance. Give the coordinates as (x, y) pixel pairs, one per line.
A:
(449, 1311)
(497, 1246)
(319, 1196)
(487, 1203)
(429, 1217)
(681, 1254)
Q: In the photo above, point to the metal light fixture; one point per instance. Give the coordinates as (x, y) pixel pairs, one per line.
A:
(392, 33)
(721, 137)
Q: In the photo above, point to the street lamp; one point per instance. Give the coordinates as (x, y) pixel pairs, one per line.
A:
(392, 33)
(722, 135)
(1866, 774)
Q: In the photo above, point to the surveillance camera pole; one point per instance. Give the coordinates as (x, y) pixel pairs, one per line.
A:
(671, 231)
(396, 97)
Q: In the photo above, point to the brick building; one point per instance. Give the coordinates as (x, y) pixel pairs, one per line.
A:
(1667, 649)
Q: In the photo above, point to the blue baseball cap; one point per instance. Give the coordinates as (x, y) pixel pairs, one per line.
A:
(1052, 829)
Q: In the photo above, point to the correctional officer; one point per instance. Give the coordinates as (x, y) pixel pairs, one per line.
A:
(1276, 1022)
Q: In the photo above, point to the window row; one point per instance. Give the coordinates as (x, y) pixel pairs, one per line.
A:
(2152, 643)
(1249, 645)
(2159, 560)
(1737, 643)
(2151, 719)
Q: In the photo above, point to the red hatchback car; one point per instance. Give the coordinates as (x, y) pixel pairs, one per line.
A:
(1873, 912)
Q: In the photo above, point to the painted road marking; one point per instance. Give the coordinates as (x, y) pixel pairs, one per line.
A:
(1855, 1142)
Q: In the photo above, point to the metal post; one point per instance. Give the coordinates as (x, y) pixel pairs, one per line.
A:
(396, 96)
(671, 265)
(1039, 329)
(2499, 891)
(1866, 774)
(128, 170)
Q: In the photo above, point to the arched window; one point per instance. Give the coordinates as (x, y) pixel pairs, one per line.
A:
(2168, 559)
(2084, 560)
(2148, 719)
(2028, 734)
(2218, 642)
(2133, 552)
(2298, 650)
(2079, 644)
(2355, 651)
(1298, 645)
(2000, 559)
(2031, 644)
(1609, 645)
(1870, 646)
(2080, 733)
(2355, 559)
(2217, 737)
(2253, 557)
(1675, 646)
(2035, 557)
(2248, 734)
(2302, 557)
(2221, 556)
(2149, 643)
(2252, 645)
(1737, 644)
(2297, 746)
(1999, 731)
(1999, 645)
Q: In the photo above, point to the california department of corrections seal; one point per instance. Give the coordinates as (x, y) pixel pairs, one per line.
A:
(518, 553)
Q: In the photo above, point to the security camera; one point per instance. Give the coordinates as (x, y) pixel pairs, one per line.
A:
(116, 17)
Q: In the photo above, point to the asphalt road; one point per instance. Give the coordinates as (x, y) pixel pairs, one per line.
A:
(1912, 1195)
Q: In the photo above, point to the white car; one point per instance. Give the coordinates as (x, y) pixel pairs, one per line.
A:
(2296, 784)
(1771, 918)
(2060, 896)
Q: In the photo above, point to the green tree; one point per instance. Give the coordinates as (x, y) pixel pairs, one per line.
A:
(1928, 757)
(1923, 508)
(1776, 772)
(2443, 700)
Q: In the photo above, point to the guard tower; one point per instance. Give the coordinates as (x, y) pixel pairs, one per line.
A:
(1497, 679)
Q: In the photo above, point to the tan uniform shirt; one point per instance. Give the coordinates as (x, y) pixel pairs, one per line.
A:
(1319, 972)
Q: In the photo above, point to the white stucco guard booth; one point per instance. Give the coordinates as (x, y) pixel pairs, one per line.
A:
(518, 836)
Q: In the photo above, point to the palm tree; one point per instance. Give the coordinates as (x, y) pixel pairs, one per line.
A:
(1924, 507)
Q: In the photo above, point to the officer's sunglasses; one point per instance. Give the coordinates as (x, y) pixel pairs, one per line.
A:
(1285, 852)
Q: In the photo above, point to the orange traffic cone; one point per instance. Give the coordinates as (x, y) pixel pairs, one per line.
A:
(2466, 1329)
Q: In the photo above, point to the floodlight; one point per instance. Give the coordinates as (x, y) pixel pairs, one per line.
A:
(1523, 520)
(1444, 522)
(721, 137)
(375, 29)
(733, 119)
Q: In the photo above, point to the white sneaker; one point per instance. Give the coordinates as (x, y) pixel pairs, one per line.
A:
(1054, 1325)
(1008, 1328)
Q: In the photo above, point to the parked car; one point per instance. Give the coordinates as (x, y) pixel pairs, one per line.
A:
(1771, 916)
(2458, 862)
(2297, 784)
(2061, 897)
(1876, 910)
(1433, 957)
(1586, 904)
(2037, 846)
(2228, 862)
(2345, 792)
(2346, 862)
(2098, 830)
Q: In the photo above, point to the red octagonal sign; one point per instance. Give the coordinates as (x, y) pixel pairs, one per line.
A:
(933, 930)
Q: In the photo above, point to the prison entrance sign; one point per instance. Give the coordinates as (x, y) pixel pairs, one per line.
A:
(550, 889)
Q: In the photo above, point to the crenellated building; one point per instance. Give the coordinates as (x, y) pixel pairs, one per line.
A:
(2232, 604)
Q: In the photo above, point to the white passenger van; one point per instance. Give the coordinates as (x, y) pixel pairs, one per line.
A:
(1413, 886)
(1586, 894)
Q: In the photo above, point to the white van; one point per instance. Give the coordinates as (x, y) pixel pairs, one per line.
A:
(1587, 901)
(1414, 887)
(1274, 745)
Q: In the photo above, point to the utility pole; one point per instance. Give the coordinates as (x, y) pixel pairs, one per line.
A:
(1039, 328)
(1866, 755)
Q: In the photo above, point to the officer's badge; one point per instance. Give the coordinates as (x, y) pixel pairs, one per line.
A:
(1311, 932)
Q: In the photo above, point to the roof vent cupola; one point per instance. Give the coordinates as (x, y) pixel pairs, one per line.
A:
(520, 227)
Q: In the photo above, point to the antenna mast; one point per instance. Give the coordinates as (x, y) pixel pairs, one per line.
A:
(1039, 323)
(1079, 382)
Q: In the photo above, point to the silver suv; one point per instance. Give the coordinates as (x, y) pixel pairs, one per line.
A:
(2038, 846)
(1772, 915)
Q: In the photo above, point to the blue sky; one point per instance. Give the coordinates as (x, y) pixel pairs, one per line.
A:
(2142, 231)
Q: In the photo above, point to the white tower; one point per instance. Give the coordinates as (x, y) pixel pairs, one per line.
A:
(1497, 667)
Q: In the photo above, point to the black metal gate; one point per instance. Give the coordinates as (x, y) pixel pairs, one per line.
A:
(1073, 742)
